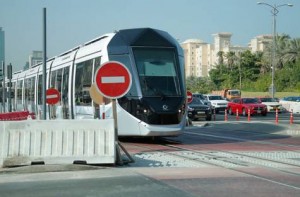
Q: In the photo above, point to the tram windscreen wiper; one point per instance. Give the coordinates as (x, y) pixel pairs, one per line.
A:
(158, 63)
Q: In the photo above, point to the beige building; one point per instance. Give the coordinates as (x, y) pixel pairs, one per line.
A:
(259, 43)
(201, 57)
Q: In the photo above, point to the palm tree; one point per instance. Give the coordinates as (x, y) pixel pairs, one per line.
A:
(281, 48)
(262, 63)
(293, 52)
(220, 57)
(281, 43)
(231, 59)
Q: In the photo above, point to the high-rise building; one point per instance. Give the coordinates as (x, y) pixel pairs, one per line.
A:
(35, 58)
(2, 46)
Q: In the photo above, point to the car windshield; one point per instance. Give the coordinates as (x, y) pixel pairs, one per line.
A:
(200, 96)
(268, 100)
(215, 98)
(197, 101)
(249, 100)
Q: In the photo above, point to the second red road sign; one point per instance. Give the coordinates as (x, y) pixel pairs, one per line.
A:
(113, 79)
(189, 96)
(52, 96)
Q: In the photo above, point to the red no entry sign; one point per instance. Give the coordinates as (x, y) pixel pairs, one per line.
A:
(52, 96)
(189, 96)
(113, 79)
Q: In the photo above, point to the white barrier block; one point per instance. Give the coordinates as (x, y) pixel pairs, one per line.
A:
(57, 142)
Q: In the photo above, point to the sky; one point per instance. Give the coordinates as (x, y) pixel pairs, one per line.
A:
(73, 22)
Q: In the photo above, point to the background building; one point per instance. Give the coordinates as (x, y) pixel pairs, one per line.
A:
(2, 46)
(259, 43)
(201, 57)
(35, 58)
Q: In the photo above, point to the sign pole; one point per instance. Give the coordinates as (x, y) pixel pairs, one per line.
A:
(119, 160)
(113, 80)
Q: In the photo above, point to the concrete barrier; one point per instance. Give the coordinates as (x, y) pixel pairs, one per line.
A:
(57, 142)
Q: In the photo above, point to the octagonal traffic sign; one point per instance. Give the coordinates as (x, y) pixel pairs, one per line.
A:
(113, 79)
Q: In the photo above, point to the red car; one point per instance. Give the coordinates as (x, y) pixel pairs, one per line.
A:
(245, 104)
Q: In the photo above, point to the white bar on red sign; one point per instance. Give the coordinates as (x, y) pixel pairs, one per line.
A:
(119, 79)
(51, 96)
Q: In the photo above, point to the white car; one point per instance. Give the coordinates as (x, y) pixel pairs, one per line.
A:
(291, 104)
(217, 102)
(271, 103)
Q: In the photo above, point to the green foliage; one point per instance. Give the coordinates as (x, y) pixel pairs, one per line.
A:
(252, 71)
(203, 84)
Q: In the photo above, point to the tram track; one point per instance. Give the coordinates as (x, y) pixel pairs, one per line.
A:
(232, 160)
(223, 162)
(283, 147)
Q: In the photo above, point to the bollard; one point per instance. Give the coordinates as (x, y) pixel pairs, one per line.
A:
(103, 110)
(291, 117)
(249, 115)
(276, 116)
(237, 114)
(226, 117)
(214, 114)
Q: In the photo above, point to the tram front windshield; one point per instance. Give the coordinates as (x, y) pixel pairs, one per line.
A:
(158, 71)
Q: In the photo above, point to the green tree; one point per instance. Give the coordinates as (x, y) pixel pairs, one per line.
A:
(292, 53)
(199, 84)
(220, 56)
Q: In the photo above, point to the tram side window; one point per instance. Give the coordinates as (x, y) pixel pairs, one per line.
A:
(52, 81)
(83, 82)
(40, 89)
(19, 92)
(56, 79)
(64, 92)
(29, 93)
(13, 95)
(97, 64)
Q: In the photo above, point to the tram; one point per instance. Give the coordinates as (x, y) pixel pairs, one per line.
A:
(155, 105)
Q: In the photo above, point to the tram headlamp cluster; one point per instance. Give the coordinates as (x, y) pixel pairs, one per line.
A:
(142, 110)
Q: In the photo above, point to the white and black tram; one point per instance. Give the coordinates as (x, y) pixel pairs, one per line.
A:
(155, 103)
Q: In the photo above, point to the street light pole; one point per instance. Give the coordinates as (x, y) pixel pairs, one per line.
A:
(274, 12)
